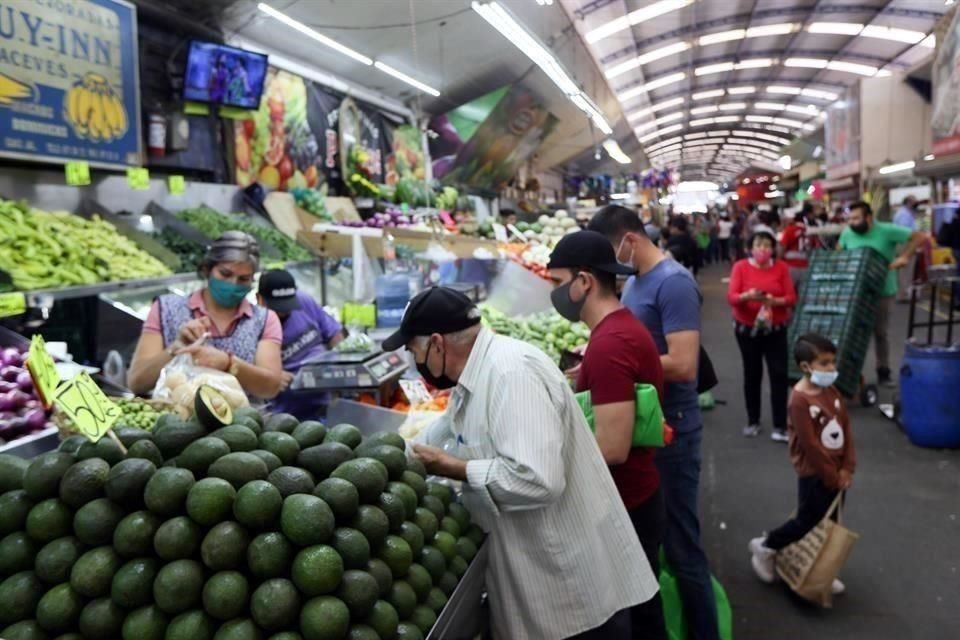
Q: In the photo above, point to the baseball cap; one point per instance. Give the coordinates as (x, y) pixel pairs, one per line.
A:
(587, 249)
(279, 291)
(435, 310)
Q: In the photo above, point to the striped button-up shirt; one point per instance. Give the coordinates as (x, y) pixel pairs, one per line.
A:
(564, 556)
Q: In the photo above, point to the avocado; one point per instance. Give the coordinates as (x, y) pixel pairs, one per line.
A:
(134, 535)
(352, 546)
(394, 459)
(369, 476)
(201, 453)
(14, 507)
(382, 573)
(41, 480)
(177, 538)
(341, 496)
(346, 434)
(238, 468)
(414, 537)
(174, 436)
(424, 618)
(145, 623)
(392, 505)
(12, 469)
(280, 444)
(93, 572)
(275, 605)
(225, 595)
(373, 523)
(178, 586)
(56, 559)
(132, 586)
(126, 481)
(322, 459)
(407, 496)
(95, 522)
(309, 433)
(19, 594)
(403, 598)
(166, 492)
(70, 444)
(147, 450)
(359, 591)
(384, 620)
(283, 422)
(237, 438)
(225, 546)
(291, 480)
(386, 437)
(248, 413)
(325, 617)
(104, 448)
(257, 505)
(101, 618)
(192, 625)
(59, 609)
(211, 501)
(268, 458)
(239, 629)
(17, 553)
(130, 435)
(398, 555)
(212, 409)
(49, 520)
(269, 556)
(306, 520)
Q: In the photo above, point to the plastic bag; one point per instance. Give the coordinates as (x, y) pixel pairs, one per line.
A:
(762, 323)
(673, 606)
(181, 378)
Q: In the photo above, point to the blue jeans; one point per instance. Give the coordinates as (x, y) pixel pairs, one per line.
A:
(679, 466)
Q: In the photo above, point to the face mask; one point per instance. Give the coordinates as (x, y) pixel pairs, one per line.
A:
(226, 293)
(761, 256)
(823, 379)
(861, 228)
(564, 304)
(441, 381)
(629, 261)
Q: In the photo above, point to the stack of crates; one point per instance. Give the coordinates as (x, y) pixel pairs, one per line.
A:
(838, 300)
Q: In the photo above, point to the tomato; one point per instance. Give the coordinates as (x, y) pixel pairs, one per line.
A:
(285, 167)
(249, 128)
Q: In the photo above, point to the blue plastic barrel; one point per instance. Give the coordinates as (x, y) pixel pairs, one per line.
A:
(393, 294)
(930, 396)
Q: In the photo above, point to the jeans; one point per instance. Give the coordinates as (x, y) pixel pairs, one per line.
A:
(679, 467)
(813, 500)
(725, 248)
(616, 628)
(754, 349)
(649, 521)
(881, 335)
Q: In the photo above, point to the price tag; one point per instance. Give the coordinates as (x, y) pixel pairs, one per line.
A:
(138, 178)
(12, 304)
(176, 185)
(86, 404)
(362, 315)
(415, 391)
(77, 173)
(500, 232)
(43, 370)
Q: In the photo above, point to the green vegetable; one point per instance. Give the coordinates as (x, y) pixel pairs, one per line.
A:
(213, 223)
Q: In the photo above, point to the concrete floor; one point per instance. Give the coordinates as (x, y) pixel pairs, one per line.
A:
(903, 578)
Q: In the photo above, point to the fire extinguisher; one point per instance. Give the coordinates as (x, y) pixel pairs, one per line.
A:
(157, 133)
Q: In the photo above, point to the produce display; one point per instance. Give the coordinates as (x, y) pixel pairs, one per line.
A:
(392, 217)
(212, 223)
(20, 410)
(313, 201)
(268, 528)
(547, 330)
(190, 253)
(548, 230)
(41, 250)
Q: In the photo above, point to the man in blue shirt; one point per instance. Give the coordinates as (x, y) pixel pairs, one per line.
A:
(664, 296)
(906, 217)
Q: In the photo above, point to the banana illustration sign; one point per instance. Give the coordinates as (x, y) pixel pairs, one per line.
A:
(69, 81)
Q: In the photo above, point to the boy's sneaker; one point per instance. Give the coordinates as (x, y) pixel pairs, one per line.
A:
(779, 435)
(885, 378)
(762, 560)
(838, 588)
(751, 431)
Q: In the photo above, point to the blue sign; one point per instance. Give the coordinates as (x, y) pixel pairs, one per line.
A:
(69, 81)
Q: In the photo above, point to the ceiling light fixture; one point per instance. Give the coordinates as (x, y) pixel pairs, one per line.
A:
(399, 75)
(702, 110)
(891, 33)
(650, 86)
(852, 67)
(634, 18)
(733, 106)
(312, 34)
(704, 95)
(511, 29)
(817, 93)
(660, 106)
(898, 167)
(722, 36)
(666, 142)
(793, 91)
(807, 63)
(761, 136)
(615, 152)
(650, 56)
(661, 120)
(755, 63)
(660, 132)
(738, 91)
(929, 157)
(770, 106)
(722, 119)
(713, 68)
(836, 28)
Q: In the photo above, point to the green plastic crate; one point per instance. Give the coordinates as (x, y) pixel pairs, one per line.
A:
(838, 300)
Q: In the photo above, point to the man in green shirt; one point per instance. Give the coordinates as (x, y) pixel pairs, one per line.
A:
(884, 238)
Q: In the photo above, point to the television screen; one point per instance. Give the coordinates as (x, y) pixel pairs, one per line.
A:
(224, 75)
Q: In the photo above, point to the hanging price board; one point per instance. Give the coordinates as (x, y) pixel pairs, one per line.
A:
(86, 404)
(12, 304)
(138, 178)
(77, 173)
(43, 370)
(363, 315)
(176, 185)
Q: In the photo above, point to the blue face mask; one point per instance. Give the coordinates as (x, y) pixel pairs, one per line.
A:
(226, 293)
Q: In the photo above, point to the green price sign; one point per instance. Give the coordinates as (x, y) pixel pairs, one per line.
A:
(77, 173)
(363, 315)
(86, 404)
(12, 304)
(138, 178)
(42, 369)
(176, 185)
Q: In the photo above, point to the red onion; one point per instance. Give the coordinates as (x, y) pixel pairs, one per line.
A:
(24, 381)
(7, 387)
(11, 356)
(36, 419)
(10, 373)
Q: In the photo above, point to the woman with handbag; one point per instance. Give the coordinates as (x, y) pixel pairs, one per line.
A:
(216, 324)
(761, 294)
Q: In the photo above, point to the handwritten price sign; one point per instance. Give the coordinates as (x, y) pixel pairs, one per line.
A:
(12, 304)
(177, 185)
(86, 404)
(77, 173)
(138, 179)
(43, 370)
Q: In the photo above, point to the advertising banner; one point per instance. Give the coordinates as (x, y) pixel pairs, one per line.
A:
(69, 81)
(842, 134)
(946, 92)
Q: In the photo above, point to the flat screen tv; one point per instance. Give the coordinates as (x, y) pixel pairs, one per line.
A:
(219, 74)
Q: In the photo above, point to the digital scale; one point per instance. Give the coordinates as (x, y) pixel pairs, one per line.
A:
(356, 372)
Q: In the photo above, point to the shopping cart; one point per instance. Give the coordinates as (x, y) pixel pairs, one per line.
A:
(838, 300)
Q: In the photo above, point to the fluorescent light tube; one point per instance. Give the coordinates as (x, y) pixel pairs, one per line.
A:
(314, 35)
(770, 106)
(722, 36)
(896, 168)
(836, 28)
(852, 67)
(817, 93)
(646, 58)
(656, 107)
(779, 29)
(399, 75)
(737, 91)
(702, 110)
(653, 84)
(615, 152)
(660, 132)
(703, 95)
(807, 63)
(733, 106)
(713, 68)
(755, 63)
(634, 18)
(892, 33)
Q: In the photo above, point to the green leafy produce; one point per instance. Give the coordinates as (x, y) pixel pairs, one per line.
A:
(190, 253)
(213, 223)
(41, 249)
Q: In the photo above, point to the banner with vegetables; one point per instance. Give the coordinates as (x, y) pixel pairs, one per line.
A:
(508, 136)
(407, 159)
(68, 81)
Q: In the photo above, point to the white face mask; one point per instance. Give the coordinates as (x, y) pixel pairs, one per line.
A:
(629, 261)
(824, 379)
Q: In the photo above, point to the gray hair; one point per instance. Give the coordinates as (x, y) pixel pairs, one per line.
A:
(231, 246)
(457, 337)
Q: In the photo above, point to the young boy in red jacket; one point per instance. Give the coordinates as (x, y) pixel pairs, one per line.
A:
(821, 449)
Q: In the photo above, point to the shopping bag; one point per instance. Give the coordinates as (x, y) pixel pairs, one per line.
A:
(649, 427)
(673, 618)
(810, 565)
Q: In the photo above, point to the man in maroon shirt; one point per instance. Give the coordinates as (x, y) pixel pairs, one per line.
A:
(621, 353)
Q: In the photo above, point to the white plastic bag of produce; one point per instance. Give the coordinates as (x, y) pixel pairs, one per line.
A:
(181, 378)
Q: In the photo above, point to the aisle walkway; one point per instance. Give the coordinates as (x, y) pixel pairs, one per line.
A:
(903, 578)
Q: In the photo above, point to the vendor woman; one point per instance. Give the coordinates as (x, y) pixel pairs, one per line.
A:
(241, 338)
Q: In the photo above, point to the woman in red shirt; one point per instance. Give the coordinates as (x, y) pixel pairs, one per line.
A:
(762, 294)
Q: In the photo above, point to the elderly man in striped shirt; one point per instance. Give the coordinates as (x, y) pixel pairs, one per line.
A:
(564, 560)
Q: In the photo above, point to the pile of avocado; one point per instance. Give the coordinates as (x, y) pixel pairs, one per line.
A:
(268, 528)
